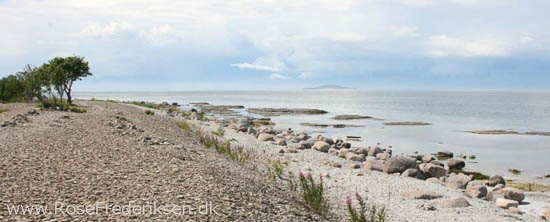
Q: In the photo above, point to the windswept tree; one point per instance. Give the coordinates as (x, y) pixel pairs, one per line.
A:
(66, 71)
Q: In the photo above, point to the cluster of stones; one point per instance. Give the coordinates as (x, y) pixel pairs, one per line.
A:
(20, 119)
(122, 126)
(147, 140)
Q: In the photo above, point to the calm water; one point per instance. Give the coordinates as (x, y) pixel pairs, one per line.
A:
(449, 112)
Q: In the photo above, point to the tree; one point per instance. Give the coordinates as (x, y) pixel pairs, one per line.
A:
(11, 89)
(65, 71)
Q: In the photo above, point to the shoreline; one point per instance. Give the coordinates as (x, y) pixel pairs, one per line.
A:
(341, 177)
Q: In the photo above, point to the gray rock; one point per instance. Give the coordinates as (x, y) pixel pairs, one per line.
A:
(280, 142)
(333, 151)
(496, 179)
(346, 145)
(505, 203)
(447, 154)
(456, 164)
(432, 170)
(355, 157)
(342, 153)
(399, 165)
(376, 165)
(454, 203)
(374, 150)
(383, 156)
(476, 191)
(327, 140)
(436, 162)
(413, 173)
(458, 181)
(265, 137)
(427, 158)
(321, 146)
(513, 194)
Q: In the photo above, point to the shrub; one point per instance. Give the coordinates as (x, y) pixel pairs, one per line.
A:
(200, 115)
(3, 110)
(364, 213)
(219, 132)
(183, 125)
(149, 112)
(237, 154)
(75, 109)
(277, 168)
(313, 193)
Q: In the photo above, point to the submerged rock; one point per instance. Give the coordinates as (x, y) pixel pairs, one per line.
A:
(350, 117)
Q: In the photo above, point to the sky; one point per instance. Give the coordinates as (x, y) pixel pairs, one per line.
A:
(162, 45)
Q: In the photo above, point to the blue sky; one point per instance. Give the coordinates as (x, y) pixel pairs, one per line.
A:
(288, 44)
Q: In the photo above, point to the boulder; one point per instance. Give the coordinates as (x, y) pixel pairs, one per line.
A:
(265, 137)
(476, 191)
(421, 195)
(513, 194)
(427, 158)
(327, 140)
(505, 203)
(458, 181)
(432, 170)
(454, 203)
(342, 153)
(355, 157)
(383, 156)
(496, 179)
(456, 164)
(333, 151)
(374, 150)
(321, 146)
(280, 142)
(399, 165)
(251, 130)
(346, 145)
(413, 173)
(436, 162)
(306, 144)
(376, 165)
(302, 137)
(514, 210)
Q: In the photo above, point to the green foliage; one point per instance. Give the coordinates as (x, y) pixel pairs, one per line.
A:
(183, 125)
(477, 175)
(277, 168)
(61, 105)
(365, 213)
(219, 132)
(149, 112)
(3, 110)
(144, 104)
(66, 71)
(11, 89)
(312, 193)
(200, 115)
(237, 154)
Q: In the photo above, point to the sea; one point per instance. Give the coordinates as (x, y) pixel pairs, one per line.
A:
(450, 113)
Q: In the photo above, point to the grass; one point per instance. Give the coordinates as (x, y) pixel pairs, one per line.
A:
(312, 193)
(183, 125)
(104, 100)
(3, 110)
(62, 106)
(144, 104)
(149, 112)
(365, 213)
(219, 132)
(237, 154)
(477, 175)
(277, 168)
(200, 115)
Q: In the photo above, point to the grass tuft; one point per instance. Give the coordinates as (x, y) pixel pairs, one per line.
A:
(312, 193)
(277, 168)
(219, 132)
(237, 153)
(183, 125)
(3, 110)
(364, 213)
(149, 112)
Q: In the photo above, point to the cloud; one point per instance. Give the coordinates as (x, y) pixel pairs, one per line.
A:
(401, 31)
(110, 30)
(277, 76)
(264, 64)
(305, 75)
(417, 2)
(527, 38)
(442, 45)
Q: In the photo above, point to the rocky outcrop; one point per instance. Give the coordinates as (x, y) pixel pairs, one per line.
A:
(284, 111)
(350, 117)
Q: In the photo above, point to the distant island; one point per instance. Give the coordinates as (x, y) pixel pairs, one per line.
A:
(329, 86)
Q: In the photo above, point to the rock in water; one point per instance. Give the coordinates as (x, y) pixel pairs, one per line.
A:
(456, 164)
(476, 191)
(513, 194)
(399, 165)
(454, 203)
(447, 154)
(505, 203)
(321, 146)
(496, 179)
(265, 137)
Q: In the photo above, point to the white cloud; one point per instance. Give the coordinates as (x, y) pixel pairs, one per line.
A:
(162, 35)
(277, 76)
(442, 45)
(417, 2)
(263, 63)
(112, 29)
(403, 30)
(527, 38)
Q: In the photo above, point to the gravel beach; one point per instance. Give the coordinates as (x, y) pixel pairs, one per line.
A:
(99, 158)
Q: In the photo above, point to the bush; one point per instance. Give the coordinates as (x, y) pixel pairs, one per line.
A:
(183, 125)
(3, 110)
(61, 106)
(277, 168)
(313, 193)
(364, 213)
(149, 112)
(219, 132)
(144, 104)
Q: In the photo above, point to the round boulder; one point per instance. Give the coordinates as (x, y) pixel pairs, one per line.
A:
(265, 137)
(456, 164)
(321, 146)
(399, 165)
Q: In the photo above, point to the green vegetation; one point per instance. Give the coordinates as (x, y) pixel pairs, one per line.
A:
(219, 132)
(49, 83)
(183, 125)
(365, 213)
(102, 100)
(3, 110)
(149, 112)
(200, 115)
(237, 154)
(312, 193)
(144, 104)
(528, 186)
(477, 175)
(277, 168)
(514, 171)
